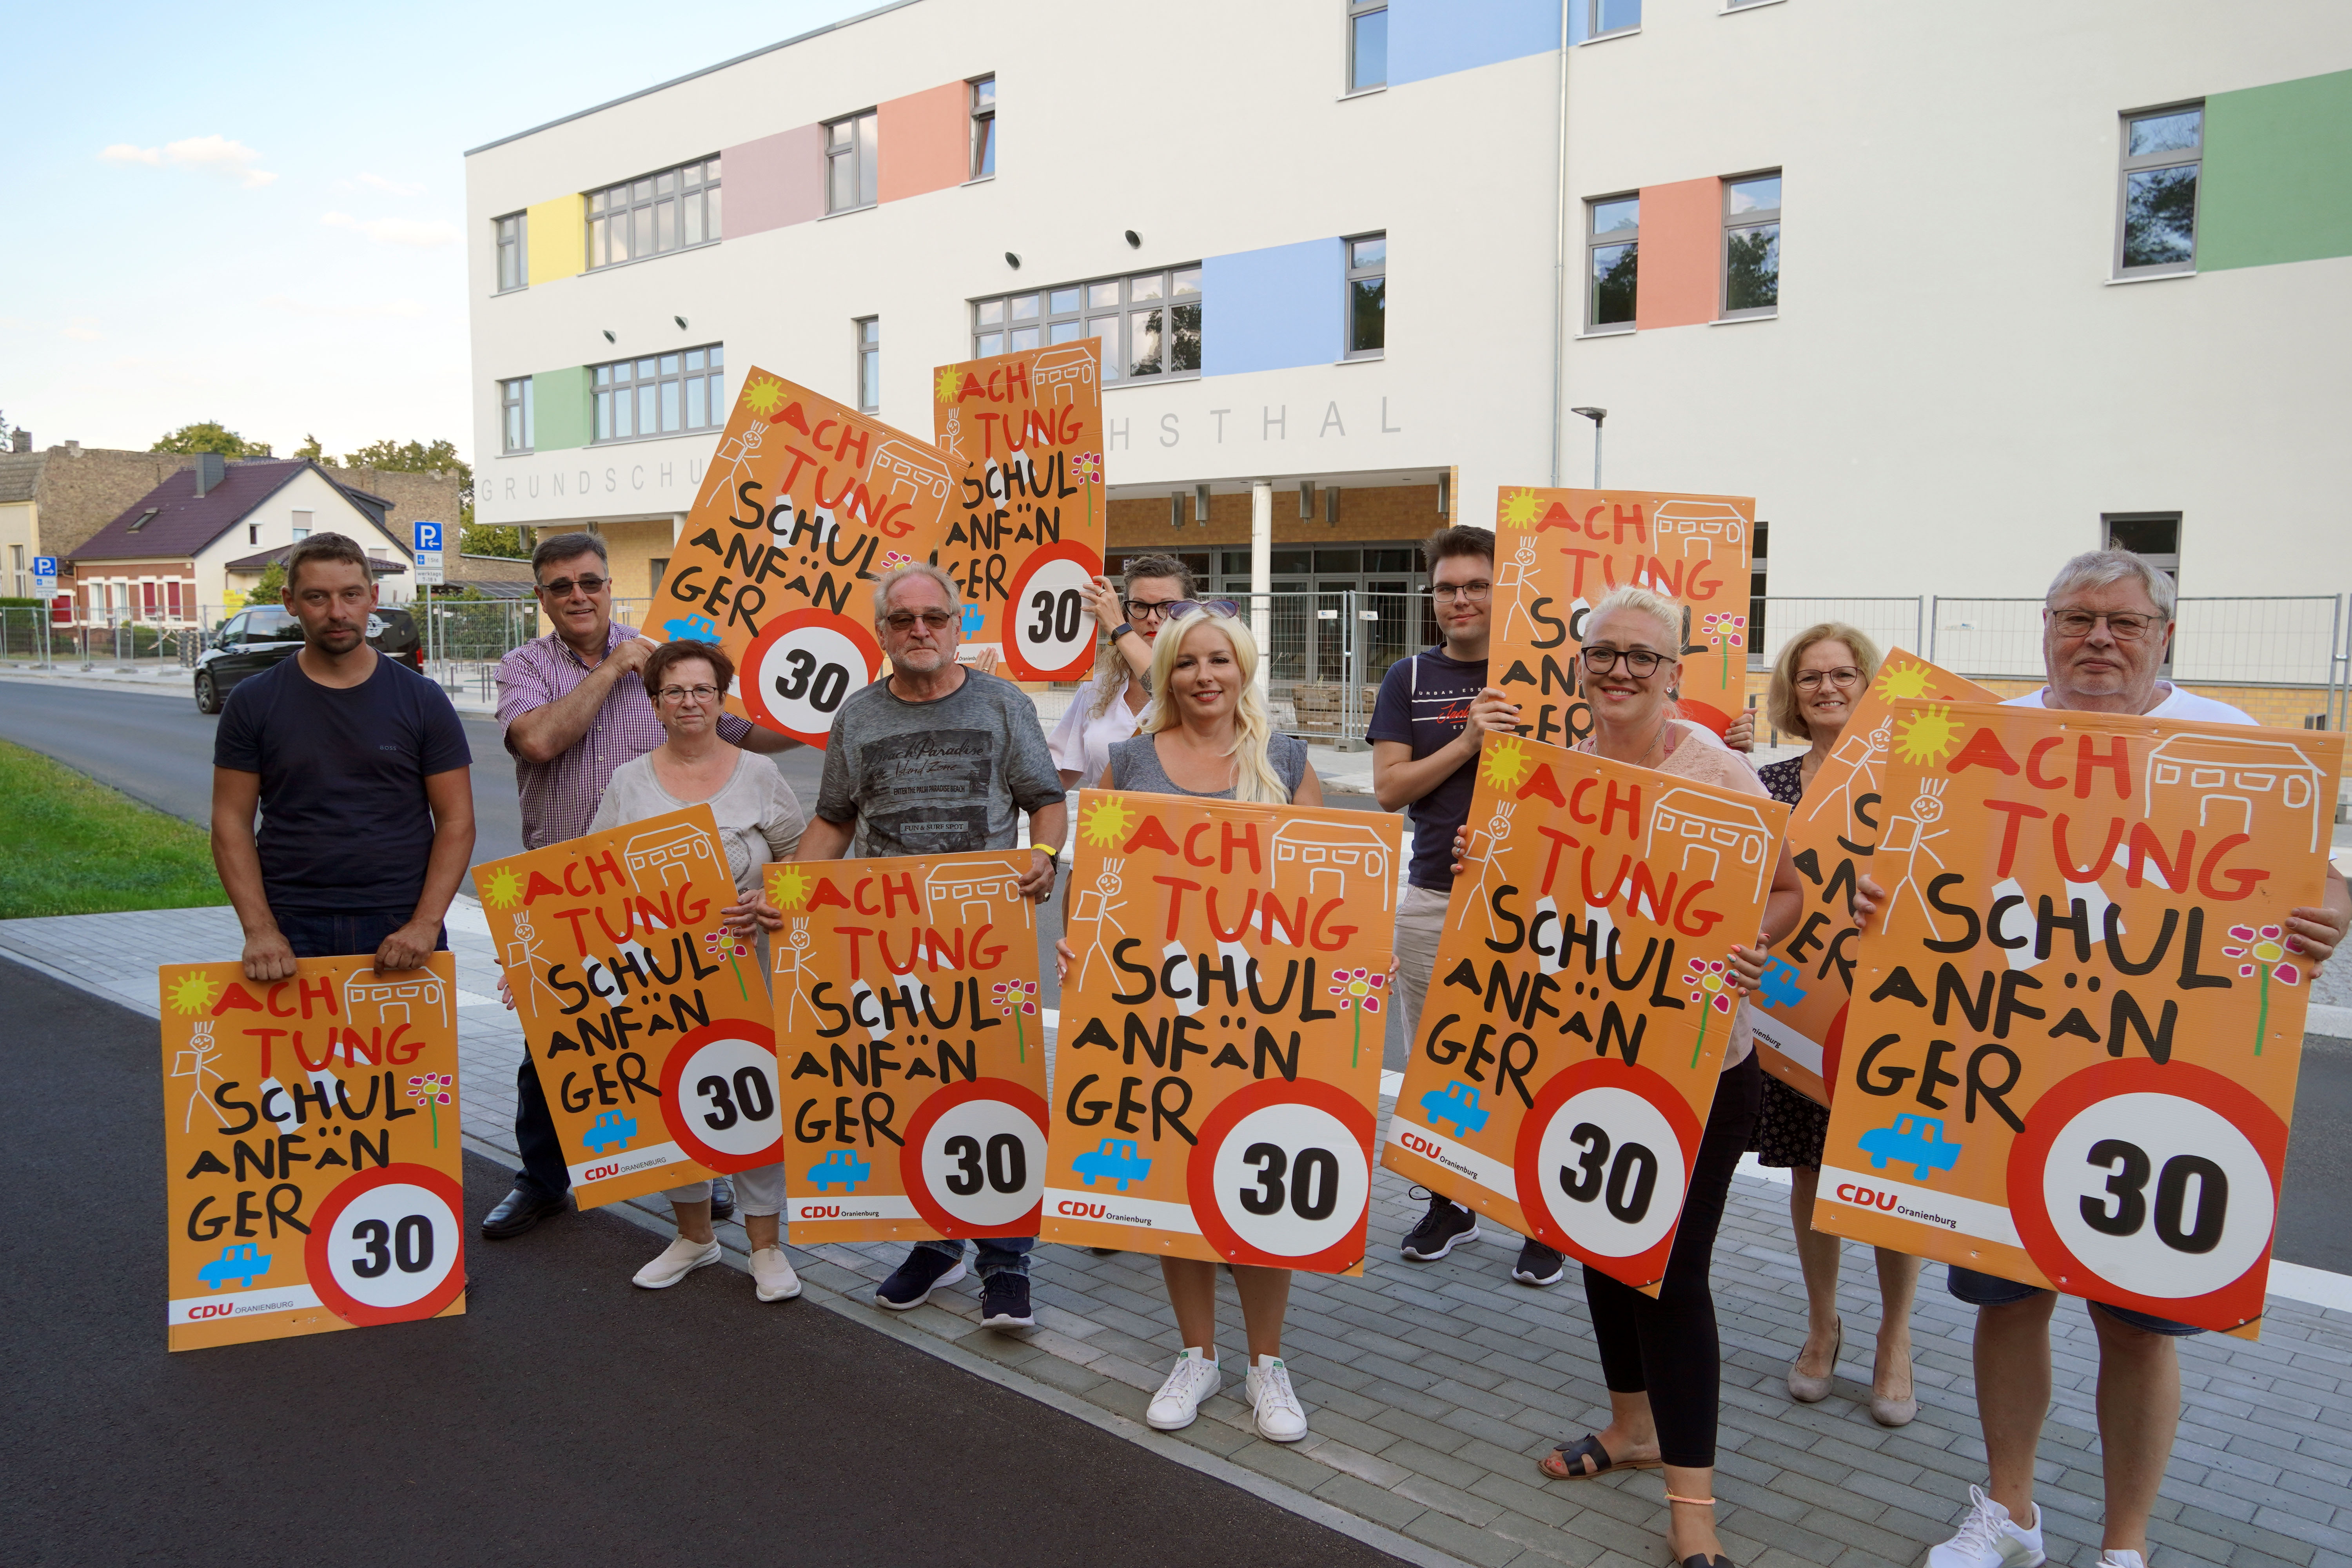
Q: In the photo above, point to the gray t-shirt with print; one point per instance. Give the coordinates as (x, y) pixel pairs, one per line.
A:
(940, 778)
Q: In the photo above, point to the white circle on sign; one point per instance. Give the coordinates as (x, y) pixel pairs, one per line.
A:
(2159, 1196)
(1291, 1179)
(1613, 1172)
(806, 674)
(728, 1092)
(393, 1245)
(985, 1163)
(1051, 625)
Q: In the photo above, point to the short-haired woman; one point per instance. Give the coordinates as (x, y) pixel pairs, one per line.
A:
(1817, 681)
(1106, 710)
(758, 821)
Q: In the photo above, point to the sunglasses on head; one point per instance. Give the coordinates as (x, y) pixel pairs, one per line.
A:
(1177, 610)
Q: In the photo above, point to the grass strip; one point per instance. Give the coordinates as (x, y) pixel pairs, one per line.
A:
(70, 846)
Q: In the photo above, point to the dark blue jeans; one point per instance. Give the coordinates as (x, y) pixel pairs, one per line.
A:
(339, 933)
(997, 1253)
(543, 1170)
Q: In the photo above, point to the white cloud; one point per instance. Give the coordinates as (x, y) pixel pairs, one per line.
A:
(79, 334)
(423, 233)
(210, 154)
(394, 187)
(405, 309)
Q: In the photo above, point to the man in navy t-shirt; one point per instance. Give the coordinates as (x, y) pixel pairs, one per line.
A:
(360, 769)
(1433, 712)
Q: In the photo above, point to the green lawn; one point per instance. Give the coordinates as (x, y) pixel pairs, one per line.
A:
(70, 846)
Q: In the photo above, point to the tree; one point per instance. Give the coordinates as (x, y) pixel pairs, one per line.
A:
(311, 449)
(271, 588)
(211, 436)
(512, 543)
(421, 457)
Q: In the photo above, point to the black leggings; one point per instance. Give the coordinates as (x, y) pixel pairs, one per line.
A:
(1667, 1345)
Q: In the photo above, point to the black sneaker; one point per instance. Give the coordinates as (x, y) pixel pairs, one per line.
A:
(924, 1272)
(1004, 1301)
(722, 1198)
(1537, 1265)
(1446, 1222)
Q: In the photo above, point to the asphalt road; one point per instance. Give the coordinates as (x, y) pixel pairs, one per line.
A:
(565, 1416)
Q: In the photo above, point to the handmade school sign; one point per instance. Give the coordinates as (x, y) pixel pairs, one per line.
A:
(1024, 534)
(1831, 833)
(1219, 1056)
(2071, 1052)
(914, 1053)
(804, 504)
(1556, 553)
(648, 1022)
(310, 1148)
(1565, 1063)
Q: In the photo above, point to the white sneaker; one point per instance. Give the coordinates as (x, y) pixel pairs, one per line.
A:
(1280, 1417)
(2117, 1557)
(1192, 1379)
(1989, 1538)
(678, 1260)
(771, 1274)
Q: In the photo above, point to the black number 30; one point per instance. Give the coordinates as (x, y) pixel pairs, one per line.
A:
(2124, 1207)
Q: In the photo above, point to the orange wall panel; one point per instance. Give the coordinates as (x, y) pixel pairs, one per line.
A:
(1682, 230)
(925, 141)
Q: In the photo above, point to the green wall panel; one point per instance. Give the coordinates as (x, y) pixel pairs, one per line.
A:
(2277, 181)
(562, 408)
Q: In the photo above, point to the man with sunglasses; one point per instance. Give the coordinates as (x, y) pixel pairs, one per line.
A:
(572, 705)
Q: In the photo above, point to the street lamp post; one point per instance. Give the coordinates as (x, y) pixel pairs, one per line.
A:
(1596, 415)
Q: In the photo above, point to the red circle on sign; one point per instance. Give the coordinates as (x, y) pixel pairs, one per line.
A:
(1201, 1172)
(911, 1176)
(1833, 1052)
(2236, 1303)
(1087, 562)
(1535, 1197)
(754, 696)
(329, 1212)
(681, 1124)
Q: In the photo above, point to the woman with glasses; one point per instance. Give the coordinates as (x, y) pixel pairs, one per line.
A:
(758, 821)
(1817, 681)
(1106, 710)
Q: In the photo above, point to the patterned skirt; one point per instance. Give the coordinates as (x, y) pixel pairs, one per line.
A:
(1789, 1130)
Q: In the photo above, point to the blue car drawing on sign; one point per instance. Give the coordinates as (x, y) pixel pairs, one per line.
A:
(691, 628)
(1918, 1141)
(1457, 1103)
(1779, 987)
(1116, 1160)
(610, 1131)
(242, 1262)
(841, 1168)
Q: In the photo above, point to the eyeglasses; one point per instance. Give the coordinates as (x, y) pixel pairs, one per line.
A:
(1154, 609)
(1178, 609)
(1467, 593)
(1640, 662)
(701, 695)
(904, 620)
(562, 587)
(1845, 675)
(2127, 627)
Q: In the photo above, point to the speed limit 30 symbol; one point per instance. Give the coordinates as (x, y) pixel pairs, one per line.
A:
(1282, 1176)
(719, 1095)
(2151, 1187)
(802, 667)
(974, 1158)
(1603, 1162)
(389, 1246)
(1048, 634)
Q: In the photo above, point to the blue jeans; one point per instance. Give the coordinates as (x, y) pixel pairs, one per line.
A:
(1992, 1290)
(338, 933)
(997, 1253)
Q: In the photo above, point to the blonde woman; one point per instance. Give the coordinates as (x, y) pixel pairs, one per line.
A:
(1153, 592)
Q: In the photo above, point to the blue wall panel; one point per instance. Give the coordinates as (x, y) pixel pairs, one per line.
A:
(1271, 309)
(1435, 37)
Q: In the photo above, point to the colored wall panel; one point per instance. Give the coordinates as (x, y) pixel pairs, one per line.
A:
(1271, 309)
(562, 413)
(925, 141)
(2277, 182)
(774, 181)
(1681, 230)
(1437, 37)
(557, 235)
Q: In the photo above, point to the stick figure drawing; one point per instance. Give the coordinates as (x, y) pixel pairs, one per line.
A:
(1106, 902)
(1485, 844)
(194, 1060)
(1909, 835)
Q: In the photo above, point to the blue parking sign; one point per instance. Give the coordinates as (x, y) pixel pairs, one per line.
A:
(45, 572)
(429, 535)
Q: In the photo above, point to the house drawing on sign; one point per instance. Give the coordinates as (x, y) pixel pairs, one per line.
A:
(1318, 856)
(913, 474)
(396, 1002)
(975, 891)
(2228, 775)
(1706, 830)
(655, 859)
(1704, 523)
(1059, 374)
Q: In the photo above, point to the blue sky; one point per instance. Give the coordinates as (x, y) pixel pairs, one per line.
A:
(255, 214)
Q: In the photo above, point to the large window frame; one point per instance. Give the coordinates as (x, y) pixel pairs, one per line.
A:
(866, 334)
(1616, 247)
(1750, 233)
(1599, 23)
(517, 423)
(655, 214)
(2142, 175)
(1160, 308)
(513, 232)
(1364, 297)
(984, 128)
(1368, 44)
(683, 389)
(853, 163)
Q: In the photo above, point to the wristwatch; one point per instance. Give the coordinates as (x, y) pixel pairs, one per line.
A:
(1121, 630)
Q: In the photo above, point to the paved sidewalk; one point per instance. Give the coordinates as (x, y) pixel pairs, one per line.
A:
(1431, 1390)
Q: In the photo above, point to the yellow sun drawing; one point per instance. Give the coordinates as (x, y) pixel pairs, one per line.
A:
(503, 889)
(1903, 683)
(1106, 823)
(1927, 735)
(787, 885)
(1521, 508)
(1505, 764)
(948, 381)
(191, 993)
(762, 396)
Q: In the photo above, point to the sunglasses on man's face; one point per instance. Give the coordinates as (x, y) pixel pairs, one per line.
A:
(562, 587)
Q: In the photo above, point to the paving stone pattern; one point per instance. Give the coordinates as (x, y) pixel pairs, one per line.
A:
(1433, 1389)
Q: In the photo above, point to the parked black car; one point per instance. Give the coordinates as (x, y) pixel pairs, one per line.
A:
(252, 640)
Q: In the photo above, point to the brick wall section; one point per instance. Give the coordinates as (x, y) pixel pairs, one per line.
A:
(433, 497)
(1395, 511)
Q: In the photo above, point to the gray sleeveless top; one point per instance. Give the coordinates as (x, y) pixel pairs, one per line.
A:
(1135, 765)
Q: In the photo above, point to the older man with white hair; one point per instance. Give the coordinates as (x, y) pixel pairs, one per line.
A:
(937, 759)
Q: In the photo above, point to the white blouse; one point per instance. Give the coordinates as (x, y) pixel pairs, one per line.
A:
(1081, 745)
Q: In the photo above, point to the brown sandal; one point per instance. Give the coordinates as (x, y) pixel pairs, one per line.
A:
(1565, 1463)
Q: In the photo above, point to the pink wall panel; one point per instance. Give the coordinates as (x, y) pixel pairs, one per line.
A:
(925, 141)
(1682, 233)
(773, 181)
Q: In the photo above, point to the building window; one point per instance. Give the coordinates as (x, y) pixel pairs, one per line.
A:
(1368, 44)
(1149, 323)
(984, 128)
(514, 263)
(2162, 150)
(1613, 246)
(867, 331)
(515, 414)
(660, 213)
(661, 395)
(852, 165)
(302, 524)
(1603, 18)
(253, 534)
(2153, 535)
(1367, 296)
(1751, 246)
